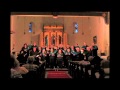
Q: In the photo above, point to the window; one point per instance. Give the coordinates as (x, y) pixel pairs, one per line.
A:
(76, 28)
(30, 27)
(76, 31)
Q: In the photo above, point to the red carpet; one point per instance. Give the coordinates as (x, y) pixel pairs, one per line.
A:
(57, 74)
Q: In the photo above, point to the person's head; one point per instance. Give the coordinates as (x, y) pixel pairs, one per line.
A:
(34, 49)
(88, 48)
(39, 48)
(47, 48)
(82, 50)
(51, 49)
(43, 51)
(59, 51)
(68, 49)
(25, 45)
(68, 46)
(77, 49)
(30, 59)
(14, 62)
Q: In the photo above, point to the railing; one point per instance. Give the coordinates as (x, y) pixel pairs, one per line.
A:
(76, 68)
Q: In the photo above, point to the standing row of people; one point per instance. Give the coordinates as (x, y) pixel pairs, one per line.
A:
(57, 56)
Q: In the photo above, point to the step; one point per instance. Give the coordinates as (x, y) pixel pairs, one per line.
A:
(59, 69)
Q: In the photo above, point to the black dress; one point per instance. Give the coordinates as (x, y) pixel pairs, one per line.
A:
(60, 60)
(52, 57)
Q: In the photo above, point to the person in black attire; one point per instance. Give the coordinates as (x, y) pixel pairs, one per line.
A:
(96, 66)
(40, 48)
(34, 45)
(24, 53)
(78, 55)
(47, 57)
(43, 55)
(21, 58)
(60, 57)
(94, 49)
(84, 46)
(95, 62)
(68, 57)
(87, 53)
(64, 50)
(55, 49)
(35, 53)
(52, 56)
(72, 49)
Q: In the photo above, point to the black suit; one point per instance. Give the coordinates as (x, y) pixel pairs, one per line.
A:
(32, 53)
(79, 56)
(94, 50)
(96, 67)
(36, 48)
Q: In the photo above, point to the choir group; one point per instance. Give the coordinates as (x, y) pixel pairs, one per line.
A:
(57, 56)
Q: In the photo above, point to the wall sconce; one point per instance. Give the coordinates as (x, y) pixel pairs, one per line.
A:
(55, 15)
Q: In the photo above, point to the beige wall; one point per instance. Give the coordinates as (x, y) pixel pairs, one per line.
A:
(13, 36)
(100, 29)
(77, 38)
(90, 26)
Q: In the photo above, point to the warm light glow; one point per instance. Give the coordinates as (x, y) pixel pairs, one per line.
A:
(55, 17)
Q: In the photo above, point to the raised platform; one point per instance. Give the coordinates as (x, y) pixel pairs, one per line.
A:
(59, 69)
(57, 73)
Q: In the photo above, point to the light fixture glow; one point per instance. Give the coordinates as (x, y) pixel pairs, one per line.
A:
(55, 17)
